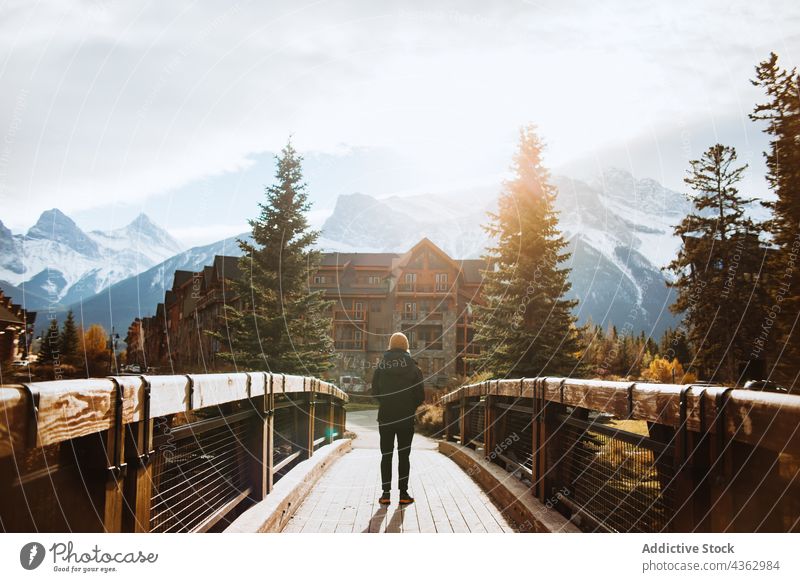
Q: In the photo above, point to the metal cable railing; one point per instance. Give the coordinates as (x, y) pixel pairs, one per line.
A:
(639, 457)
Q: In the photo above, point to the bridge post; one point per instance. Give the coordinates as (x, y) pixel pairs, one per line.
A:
(462, 421)
(489, 430)
(448, 422)
(263, 443)
(109, 448)
(304, 421)
(536, 429)
(138, 484)
(721, 451)
(331, 419)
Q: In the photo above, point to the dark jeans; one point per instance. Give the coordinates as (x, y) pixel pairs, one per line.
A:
(404, 431)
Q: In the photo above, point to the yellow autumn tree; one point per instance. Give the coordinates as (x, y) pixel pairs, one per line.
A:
(95, 350)
(663, 371)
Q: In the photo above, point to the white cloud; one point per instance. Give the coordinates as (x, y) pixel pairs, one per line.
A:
(108, 102)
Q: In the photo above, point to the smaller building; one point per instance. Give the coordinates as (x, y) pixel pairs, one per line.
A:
(16, 331)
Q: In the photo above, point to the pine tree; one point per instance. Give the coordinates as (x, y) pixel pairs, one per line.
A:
(49, 353)
(282, 325)
(526, 322)
(675, 344)
(782, 114)
(712, 294)
(69, 341)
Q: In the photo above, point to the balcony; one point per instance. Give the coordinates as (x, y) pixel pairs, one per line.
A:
(345, 315)
(348, 344)
(422, 288)
(421, 316)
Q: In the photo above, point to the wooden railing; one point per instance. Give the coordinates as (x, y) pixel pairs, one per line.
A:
(155, 453)
(620, 456)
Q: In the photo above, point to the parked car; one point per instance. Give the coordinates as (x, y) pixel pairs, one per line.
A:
(352, 384)
(20, 363)
(765, 386)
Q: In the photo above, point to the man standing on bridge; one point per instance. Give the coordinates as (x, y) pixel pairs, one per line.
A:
(398, 386)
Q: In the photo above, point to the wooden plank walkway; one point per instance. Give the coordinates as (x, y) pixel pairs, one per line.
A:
(345, 500)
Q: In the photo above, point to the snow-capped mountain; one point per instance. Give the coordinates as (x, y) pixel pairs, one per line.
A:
(620, 231)
(57, 263)
(138, 296)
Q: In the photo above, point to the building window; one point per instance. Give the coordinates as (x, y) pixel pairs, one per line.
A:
(441, 281)
(319, 279)
(358, 310)
(410, 310)
(374, 280)
(357, 335)
(411, 279)
(438, 366)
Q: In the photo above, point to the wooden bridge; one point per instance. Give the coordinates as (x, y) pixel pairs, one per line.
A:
(270, 452)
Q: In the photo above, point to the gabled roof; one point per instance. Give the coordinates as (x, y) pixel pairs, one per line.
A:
(227, 267)
(8, 316)
(180, 278)
(403, 260)
(377, 260)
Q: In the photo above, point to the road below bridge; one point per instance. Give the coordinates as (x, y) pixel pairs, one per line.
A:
(346, 497)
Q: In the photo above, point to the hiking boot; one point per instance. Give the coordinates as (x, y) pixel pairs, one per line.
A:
(405, 498)
(385, 498)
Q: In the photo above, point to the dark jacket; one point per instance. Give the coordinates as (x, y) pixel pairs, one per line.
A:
(397, 384)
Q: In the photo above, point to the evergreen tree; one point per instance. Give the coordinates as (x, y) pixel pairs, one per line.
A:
(781, 111)
(69, 341)
(674, 344)
(526, 322)
(49, 353)
(711, 292)
(282, 325)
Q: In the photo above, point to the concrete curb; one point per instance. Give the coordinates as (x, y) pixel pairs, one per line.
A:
(272, 513)
(512, 496)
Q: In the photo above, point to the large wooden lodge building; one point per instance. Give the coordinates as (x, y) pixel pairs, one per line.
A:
(423, 292)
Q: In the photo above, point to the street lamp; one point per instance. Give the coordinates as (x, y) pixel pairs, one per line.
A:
(112, 342)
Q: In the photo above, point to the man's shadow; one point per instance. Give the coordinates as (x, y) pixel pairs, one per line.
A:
(395, 523)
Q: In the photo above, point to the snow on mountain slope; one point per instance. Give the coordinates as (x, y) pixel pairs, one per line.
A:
(57, 260)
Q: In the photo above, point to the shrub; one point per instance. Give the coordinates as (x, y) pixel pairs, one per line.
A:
(430, 419)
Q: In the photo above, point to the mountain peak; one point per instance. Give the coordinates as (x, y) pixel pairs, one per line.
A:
(56, 226)
(142, 230)
(141, 220)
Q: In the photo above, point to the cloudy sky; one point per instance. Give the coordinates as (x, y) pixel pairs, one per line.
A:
(109, 108)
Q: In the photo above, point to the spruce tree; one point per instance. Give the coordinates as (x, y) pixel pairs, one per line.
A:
(50, 349)
(281, 325)
(718, 239)
(69, 341)
(781, 111)
(526, 324)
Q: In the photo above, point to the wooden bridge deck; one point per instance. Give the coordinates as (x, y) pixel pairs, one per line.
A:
(346, 498)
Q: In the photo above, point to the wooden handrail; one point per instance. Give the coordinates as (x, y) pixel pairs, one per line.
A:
(68, 409)
(761, 419)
